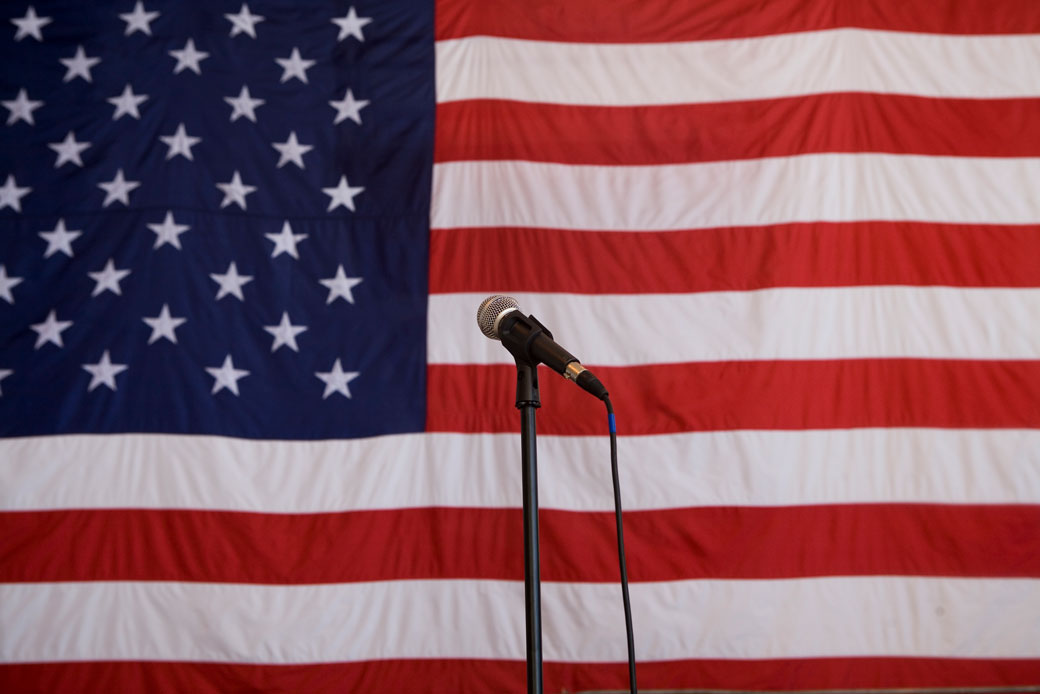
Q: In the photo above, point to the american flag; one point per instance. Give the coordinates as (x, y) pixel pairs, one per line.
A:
(253, 440)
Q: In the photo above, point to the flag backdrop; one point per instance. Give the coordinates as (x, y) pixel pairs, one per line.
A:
(253, 440)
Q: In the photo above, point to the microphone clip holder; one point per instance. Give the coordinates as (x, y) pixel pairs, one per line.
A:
(527, 394)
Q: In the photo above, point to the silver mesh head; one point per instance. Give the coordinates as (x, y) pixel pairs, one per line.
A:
(491, 311)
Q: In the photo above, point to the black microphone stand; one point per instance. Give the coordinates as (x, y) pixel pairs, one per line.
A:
(527, 401)
(531, 343)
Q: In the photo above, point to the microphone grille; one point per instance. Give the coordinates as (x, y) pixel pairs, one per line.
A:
(491, 310)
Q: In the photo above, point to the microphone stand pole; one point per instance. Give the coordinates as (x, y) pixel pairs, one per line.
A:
(527, 401)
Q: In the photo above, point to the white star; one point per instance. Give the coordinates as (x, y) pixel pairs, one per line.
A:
(103, 373)
(294, 66)
(30, 25)
(59, 240)
(127, 103)
(285, 333)
(348, 107)
(231, 282)
(340, 286)
(188, 58)
(180, 143)
(342, 194)
(78, 65)
(11, 194)
(244, 22)
(168, 232)
(6, 284)
(4, 373)
(226, 376)
(291, 151)
(285, 242)
(235, 191)
(50, 330)
(118, 189)
(108, 278)
(350, 25)
(243, 105)
(138, 20)
(21, 108)
(164, 325)
(336, 380)
(68, 150)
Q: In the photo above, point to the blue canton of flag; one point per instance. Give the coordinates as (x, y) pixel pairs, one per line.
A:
(214, 217)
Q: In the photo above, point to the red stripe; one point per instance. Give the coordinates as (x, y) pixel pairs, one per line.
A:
(461, 676)
(608, 136)
(704, 396)
(796, 542)
(644, 21)
(663, 545)
(794, 674)
(817, 254)
(236, 547)
(425, 675)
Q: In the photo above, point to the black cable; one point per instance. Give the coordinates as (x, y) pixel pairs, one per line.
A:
(621, 548)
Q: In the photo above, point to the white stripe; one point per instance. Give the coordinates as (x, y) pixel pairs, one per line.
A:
(212, 472)
(754, 192)
(727, 468)
(784, 323)
(838, 60)
(818, 617)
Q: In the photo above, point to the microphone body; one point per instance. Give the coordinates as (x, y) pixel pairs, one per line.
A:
(500, 318)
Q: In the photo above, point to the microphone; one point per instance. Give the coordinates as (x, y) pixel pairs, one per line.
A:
(499, 318)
